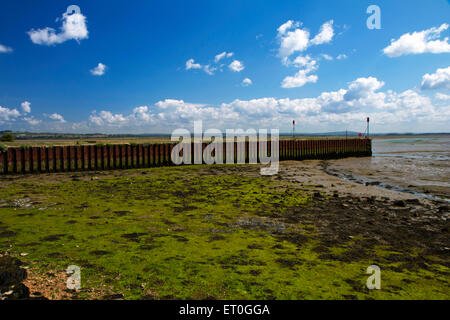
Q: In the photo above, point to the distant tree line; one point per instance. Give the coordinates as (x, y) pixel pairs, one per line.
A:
(7, 137)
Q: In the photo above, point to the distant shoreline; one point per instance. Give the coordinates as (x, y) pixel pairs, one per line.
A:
(63, 136)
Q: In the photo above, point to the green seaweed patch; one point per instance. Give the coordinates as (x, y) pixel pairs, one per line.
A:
(194, 232)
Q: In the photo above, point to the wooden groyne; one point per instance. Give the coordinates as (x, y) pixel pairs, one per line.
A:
(125, 156)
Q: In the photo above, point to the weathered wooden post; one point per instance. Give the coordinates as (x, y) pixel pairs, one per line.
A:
(90, 156)
(288, 155)
(156, 155)
(292, 149)
(83, 157)
(30, 160)
(161, 154)
(115, 153)
(139, 156)
(5, 161)
(95, 147)
(300, 149)
(64, 158)
(305, 149)
(22, 160)
(121, 152)
(126, 149)
(8, 158)
(47, 158)
(14, 159)
(167, 154)
(56, 154)
(71, 155)
(77, 157)
(151, 151)
(39, 159)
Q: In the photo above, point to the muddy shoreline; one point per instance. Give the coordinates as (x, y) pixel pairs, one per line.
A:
(357, 218)
(414, 165)
(435, 193)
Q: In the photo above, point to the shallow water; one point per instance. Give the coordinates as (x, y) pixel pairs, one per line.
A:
(411, 164)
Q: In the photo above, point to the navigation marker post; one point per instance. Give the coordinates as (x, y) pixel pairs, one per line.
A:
(293, 128)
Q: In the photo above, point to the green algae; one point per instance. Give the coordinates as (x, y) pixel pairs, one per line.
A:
(192, 232)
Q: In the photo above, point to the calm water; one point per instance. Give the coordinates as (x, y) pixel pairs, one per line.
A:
(425, 161)
(425, 149)
(421, 164)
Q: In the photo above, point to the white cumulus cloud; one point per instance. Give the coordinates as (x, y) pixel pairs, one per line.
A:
(190, 64)
(26, 106)
(362, 87)
(222, 55)
(327, 57)
(32, 121)
(303, 76)
(99, 70)
(212, 67)
(209, 69)
(73, 28)
(298, 80)
(56, 117)
(442, 96)
(325, 35)
(236, 66)
(107, 117)
(438, 80)
(8, 114)
(294, 39)
(286, 26)
(331, 110)
(247, 82)
(426, 41)
(5, 49)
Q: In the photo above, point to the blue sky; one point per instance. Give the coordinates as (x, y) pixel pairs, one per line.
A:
(151, 66)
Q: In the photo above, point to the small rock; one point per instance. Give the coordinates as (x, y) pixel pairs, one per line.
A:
(443, 209)
(399, 203)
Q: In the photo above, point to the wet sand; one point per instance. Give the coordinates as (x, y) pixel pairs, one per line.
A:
(388, 175)
(410, 164)
(320, 176)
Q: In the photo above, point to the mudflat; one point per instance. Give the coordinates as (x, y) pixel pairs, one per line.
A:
(415, 164)
(223, 232)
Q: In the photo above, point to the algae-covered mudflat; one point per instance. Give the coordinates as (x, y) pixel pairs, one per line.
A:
(219, 232)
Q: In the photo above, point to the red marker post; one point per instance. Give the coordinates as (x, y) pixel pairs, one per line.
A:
(293, 128)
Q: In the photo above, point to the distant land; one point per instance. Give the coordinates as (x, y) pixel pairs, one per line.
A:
(62, 136)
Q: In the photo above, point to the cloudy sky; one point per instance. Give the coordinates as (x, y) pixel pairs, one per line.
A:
(153, 66)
